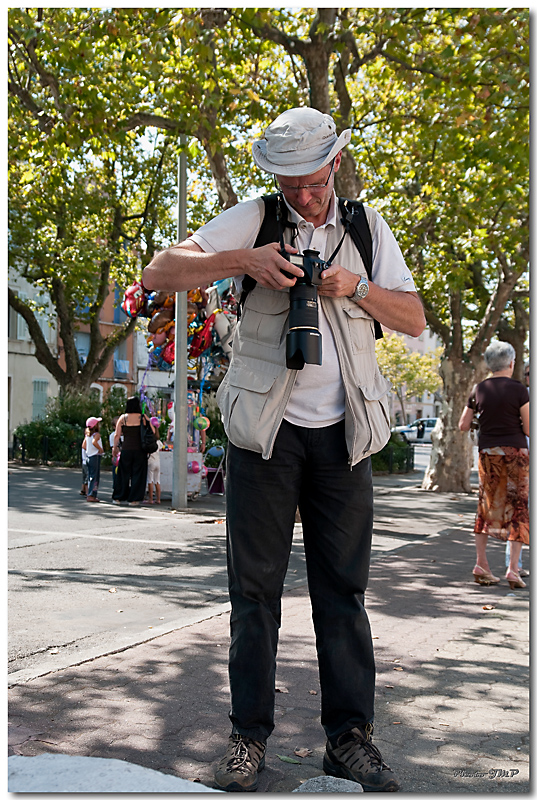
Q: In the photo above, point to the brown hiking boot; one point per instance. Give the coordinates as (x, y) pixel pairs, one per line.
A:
(238, 770)
(356, 758)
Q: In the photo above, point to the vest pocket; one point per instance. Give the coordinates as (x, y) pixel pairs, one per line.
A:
(375, 399)
(361, 328)
(264, 317)
(242, 401)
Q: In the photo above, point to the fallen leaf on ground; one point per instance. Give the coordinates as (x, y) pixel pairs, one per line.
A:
(282, 689)
(312, 691)
(399, 668)
(374, 637)
(303, 752)
(388, 686)
(287, 759)
(54, 651)
(397, 723)
(112, 590)
(488, 608)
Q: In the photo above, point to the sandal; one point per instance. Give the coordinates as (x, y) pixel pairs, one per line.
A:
(514, 580)
(483, 577)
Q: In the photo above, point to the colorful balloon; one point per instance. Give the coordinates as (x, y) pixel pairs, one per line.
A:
(201, 423)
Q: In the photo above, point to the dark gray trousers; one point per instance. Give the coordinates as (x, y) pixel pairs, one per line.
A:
(309, 469)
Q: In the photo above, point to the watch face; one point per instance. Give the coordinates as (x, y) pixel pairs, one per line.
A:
(362, 289)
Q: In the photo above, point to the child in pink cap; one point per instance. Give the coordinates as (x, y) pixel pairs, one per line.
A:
(93, 446)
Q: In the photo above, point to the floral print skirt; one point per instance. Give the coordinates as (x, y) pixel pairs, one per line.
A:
(502, 509)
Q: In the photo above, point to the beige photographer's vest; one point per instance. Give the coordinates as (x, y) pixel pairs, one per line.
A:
(256, 388)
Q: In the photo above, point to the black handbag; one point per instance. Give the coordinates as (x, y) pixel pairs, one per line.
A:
(149, 440)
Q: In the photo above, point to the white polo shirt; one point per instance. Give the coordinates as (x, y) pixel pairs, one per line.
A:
(318, 397)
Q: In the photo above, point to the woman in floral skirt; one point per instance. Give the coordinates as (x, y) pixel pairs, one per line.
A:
(503, 408)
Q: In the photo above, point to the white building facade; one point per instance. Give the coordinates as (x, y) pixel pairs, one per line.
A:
(30, 385)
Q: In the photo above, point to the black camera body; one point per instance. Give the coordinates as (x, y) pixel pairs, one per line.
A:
(304, 341)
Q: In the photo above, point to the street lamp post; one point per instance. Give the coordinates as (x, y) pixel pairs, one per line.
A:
(179, 483)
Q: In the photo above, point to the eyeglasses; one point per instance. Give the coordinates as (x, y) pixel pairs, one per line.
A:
(312, 187)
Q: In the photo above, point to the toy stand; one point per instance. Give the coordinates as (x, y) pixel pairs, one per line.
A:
(215, 475)
(194, 475)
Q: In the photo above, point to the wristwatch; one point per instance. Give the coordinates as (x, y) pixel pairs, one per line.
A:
(361, 291)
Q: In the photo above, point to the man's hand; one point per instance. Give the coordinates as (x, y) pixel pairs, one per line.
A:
(338, 282)
(265, 265)
(398, 311)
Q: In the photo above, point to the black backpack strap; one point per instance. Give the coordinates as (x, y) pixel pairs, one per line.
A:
(272, 229)
(354, 219)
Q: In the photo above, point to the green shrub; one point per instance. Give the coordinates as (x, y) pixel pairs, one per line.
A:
(64, 425)
(216, 432)
(393, 457)
(64, 440)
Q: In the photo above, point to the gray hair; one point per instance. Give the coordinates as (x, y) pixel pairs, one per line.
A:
(499, 355)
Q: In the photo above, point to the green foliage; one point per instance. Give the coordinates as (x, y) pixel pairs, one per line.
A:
(442, 134)
(410, 373)
(395, 456)
(113, 406)
(73, 408)
(64, 440)
(215, 433)
(64, 424)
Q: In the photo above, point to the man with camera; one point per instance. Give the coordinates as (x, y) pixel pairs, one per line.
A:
(304, 406)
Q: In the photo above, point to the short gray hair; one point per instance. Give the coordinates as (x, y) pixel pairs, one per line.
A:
(499, 355)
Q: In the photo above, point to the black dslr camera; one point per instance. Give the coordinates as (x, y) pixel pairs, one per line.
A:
(304, 340)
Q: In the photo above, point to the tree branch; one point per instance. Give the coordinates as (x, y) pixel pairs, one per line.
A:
(495, 308)
(152, 120)
(42, 350)
(413, 67)
(111, 342)
(64, 311)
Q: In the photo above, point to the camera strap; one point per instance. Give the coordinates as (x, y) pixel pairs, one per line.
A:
(272, 229)
(353, 218)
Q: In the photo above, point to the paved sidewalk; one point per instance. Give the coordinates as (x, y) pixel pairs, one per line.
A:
(452, 701)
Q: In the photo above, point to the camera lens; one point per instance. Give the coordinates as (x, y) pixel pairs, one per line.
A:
(304, 341)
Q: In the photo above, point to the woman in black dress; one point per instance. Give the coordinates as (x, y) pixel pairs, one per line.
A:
(132, 467)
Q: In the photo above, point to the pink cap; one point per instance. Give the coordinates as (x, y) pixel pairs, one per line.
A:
(92, 421)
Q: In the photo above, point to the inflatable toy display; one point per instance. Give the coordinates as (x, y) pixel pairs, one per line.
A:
(211, 319)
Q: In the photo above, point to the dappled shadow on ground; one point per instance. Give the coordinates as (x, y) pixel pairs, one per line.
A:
(56, 492)
(164, 705)
(433, 579)
(176, 575)
(439, 709)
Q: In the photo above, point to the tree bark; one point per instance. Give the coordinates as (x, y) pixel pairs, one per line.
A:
(217, 162)
(452, 451)
(516, 335)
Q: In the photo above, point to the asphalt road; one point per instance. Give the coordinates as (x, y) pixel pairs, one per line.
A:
(88, 579)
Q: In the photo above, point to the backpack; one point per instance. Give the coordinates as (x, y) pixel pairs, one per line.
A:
(149, 440)
(275, 221)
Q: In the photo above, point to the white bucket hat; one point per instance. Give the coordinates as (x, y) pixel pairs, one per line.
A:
(300, 141)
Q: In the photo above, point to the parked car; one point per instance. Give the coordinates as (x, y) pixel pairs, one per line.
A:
(417, 431)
